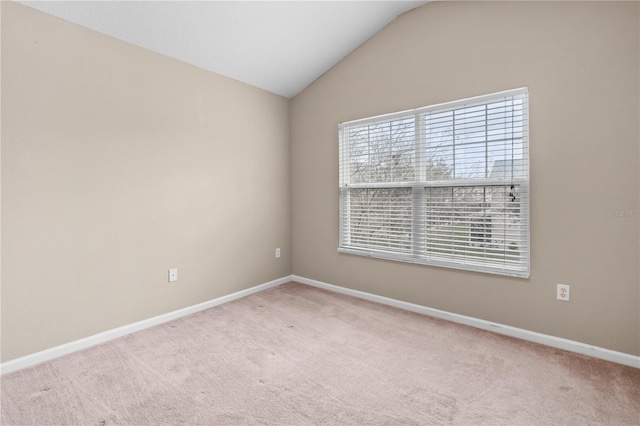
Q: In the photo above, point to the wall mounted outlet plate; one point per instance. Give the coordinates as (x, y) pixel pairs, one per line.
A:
(173, 274)
(563, 292)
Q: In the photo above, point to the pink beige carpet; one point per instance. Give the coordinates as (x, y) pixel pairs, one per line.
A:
(297, 355)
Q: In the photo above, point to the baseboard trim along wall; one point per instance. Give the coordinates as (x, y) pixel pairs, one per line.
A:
(67, 348)
(556, 342)
(532, 336)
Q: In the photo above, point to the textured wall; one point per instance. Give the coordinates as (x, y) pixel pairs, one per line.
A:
(117, 164)
(580, 61)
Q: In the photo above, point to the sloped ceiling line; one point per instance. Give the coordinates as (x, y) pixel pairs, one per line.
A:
(278, 46)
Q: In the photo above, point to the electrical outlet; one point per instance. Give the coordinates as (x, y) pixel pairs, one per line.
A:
(563, 292)
(173, 275)
(278, 252)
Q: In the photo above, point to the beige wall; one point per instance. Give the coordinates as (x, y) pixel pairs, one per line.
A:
(117, 164)
(580, 61)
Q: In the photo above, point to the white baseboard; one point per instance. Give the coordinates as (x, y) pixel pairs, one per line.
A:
(67, 348)
(532, 336)
(556, 342)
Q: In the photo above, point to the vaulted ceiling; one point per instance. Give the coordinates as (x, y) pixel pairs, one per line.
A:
(279, 46)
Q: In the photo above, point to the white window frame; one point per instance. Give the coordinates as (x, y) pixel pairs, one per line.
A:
(420, 185)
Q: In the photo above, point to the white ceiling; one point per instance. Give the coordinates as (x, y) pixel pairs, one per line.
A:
(279, 46)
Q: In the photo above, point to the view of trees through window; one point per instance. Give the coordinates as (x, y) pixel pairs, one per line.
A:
(438, 184)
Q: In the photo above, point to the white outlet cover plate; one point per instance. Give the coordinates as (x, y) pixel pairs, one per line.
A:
(173, 274)
(563, 292)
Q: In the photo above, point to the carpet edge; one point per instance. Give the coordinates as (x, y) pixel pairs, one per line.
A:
(520, 333)
(105, 336)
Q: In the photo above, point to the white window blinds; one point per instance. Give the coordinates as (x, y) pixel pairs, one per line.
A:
(444, 185)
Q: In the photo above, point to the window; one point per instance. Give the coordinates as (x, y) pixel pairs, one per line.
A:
(444, 185)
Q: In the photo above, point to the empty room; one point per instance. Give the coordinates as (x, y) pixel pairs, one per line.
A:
(292, 213)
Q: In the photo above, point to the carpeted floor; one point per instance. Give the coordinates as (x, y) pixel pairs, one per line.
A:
(299, 355)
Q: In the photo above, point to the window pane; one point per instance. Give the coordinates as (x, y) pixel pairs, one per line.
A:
(481, 223)
(470, 161)
(380, 218)
(470, 124)
(382, 152)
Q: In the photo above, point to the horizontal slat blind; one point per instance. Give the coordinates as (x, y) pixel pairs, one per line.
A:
(445, 185)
